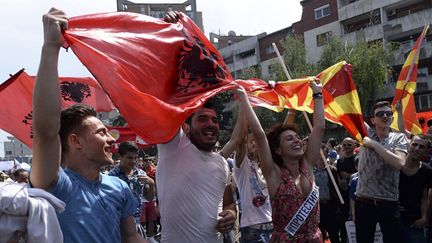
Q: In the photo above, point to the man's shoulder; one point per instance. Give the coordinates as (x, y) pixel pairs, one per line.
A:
(398, 137)
(113, 181)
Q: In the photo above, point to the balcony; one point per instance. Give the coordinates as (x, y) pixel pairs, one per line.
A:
(367, 34)
(352, 9)
(402, 53)
(424, 84)
(413, 21)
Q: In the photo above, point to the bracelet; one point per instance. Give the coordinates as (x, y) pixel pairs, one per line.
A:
(317, 95)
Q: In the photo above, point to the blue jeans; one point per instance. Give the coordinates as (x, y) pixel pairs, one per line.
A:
(413, 235)
(251, 235)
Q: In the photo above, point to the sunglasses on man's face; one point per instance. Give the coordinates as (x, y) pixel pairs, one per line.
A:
(382, 113)
(347, 145)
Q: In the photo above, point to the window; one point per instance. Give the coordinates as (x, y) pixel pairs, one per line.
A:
(229, 59)
(423, 72)
(423, 102)
(270, 49)
(323, 39)
(157, 14)
(124, 7)
(247, 53)
(322, 12)
(8, 152)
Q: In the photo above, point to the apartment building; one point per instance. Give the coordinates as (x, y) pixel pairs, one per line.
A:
(221, 41)
(267, 53)
(242, 54)
(395, 21)
(318, 23)
(15, 149)
(158, 10)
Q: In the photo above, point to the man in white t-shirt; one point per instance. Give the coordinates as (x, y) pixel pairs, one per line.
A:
(195, 199)
(256, 218)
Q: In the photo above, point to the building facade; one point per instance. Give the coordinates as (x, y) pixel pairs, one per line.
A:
(318, 23)
(221, 41)
(15, 149)
(241, 55)
(393, 21)
(267, 55)
(388, 21)
(158, 10)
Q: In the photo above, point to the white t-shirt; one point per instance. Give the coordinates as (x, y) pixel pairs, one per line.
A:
(254, 197)
(190, 187)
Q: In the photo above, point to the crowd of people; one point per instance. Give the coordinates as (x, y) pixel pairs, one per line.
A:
(273, 186)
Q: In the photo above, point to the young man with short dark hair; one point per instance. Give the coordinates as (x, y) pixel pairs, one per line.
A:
(142, 186)
(195, 198)
(99, 208)
(381, 158)
(415, 180)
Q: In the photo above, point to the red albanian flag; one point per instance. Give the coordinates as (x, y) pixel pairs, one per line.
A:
(16, 96)
(156, 73)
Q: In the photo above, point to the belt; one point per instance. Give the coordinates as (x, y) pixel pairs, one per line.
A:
(324, 201)
(374, 201)
(263, 226)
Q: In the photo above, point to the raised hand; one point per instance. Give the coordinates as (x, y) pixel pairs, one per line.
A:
(315, 85)
(172, 16)
(53, 22)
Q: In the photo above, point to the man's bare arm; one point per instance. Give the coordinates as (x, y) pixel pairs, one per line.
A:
(229, 212)
(46, 104)
(129, 233)
(236, 136)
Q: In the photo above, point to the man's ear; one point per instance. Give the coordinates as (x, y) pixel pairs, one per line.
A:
(186, 128)
(74, 141)
(373, 120)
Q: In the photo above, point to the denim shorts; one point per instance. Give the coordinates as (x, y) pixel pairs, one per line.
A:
(256, 233)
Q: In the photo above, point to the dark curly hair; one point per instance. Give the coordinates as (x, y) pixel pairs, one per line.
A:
(273, 137)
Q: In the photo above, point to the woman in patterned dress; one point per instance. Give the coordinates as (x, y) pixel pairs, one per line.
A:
(287, 166)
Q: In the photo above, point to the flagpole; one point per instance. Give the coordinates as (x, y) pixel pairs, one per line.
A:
(310, 128)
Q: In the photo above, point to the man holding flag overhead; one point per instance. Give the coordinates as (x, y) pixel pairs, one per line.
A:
(99, 208)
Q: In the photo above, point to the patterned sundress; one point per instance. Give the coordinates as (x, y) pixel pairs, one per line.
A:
(285, 203)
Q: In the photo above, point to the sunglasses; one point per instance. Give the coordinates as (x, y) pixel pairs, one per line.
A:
(382, 113)
(347, 145)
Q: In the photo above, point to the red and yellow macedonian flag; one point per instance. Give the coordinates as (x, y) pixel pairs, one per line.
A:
(405, 88)
(341, 102)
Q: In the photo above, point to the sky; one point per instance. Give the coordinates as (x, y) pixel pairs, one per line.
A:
(22, 33)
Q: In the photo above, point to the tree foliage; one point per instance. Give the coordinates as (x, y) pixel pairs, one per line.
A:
(250, 72)
(294, 56)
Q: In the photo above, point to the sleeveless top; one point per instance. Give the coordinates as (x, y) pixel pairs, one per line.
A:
(285, 203)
